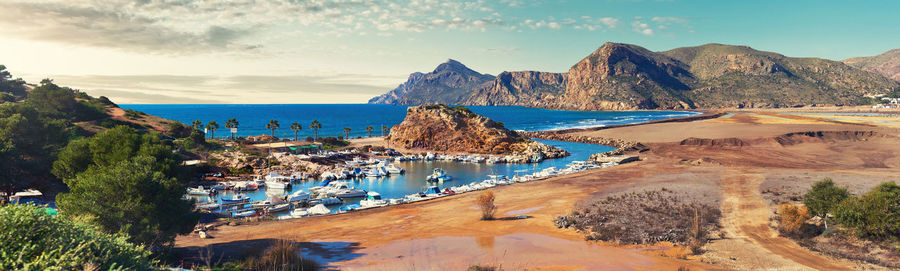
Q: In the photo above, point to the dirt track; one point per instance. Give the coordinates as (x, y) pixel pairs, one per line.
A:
(746, 216)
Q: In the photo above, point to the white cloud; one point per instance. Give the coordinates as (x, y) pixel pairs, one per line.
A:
(186, 27)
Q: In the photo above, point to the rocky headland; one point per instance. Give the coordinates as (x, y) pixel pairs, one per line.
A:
(443, 128)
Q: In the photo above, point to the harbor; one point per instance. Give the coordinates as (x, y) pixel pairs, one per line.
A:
(286, 195)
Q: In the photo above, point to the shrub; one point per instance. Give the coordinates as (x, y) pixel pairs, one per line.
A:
(823, 197)
(875, 215)
(486, 202)
(33, 240)
(792, 217)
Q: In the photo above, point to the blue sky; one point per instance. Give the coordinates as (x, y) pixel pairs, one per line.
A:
(345, 51)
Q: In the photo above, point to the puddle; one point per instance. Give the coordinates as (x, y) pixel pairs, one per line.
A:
(514, 252)
(523, 211)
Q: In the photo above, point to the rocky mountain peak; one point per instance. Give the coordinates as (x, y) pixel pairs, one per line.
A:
(454, 66)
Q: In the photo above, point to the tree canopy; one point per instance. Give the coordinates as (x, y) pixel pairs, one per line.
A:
(823, 197)
(28, 145)
(34, 240)
(127, 182)
(13, 87)
(875, 214)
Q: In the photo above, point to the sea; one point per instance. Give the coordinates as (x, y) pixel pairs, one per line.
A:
(253, 118)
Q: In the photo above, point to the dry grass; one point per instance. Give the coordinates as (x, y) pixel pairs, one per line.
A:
(792, 217)
(485, 201)
(283, 255)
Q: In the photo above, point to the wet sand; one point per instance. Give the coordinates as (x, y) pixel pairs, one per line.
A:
(447, 234)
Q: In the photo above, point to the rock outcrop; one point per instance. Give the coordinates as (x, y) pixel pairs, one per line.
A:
(625, 77)
(457, 129)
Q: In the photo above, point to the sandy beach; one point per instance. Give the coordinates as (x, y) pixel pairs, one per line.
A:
(746, 151)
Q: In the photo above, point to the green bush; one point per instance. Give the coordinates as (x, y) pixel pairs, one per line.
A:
(33, 240)
(875, 215)
(823, 197)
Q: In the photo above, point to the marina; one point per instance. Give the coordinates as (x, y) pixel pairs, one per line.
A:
(418, 179)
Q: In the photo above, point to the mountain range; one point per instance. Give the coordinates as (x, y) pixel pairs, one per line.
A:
(621, 76)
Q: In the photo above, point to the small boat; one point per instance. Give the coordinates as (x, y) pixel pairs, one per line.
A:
(438, 175)
(326, 200)
(431, 191)
(299, 212)
(298, 195)
(200, 191)
(448, 191)
(393, 169)
(278, 207)
(373, 199)
(319, 210)
(261, 204)
(278, 184)
(343, 190)
(243, 214)
(239, 198)
(210, 206)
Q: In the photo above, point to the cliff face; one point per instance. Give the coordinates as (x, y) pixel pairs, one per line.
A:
(456, 129)
(451, 82)
(526, 88)
(625, 77)
(887, 64)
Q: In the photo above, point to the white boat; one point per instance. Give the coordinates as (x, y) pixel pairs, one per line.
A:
(243, 214)
(199, 191)
(319, 210)
(342, 190)
(278, 184)
(278, 207)
(298, 195)
(299, 212)
(235, 199)
(393, 169)
(324, 199)
(209, 206)
(261, 204)
(373, 173)
(438, 175)
(373, 199)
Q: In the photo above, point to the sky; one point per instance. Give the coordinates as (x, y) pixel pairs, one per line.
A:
(347, 51)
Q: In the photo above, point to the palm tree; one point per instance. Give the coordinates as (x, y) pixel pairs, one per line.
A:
(296, 127)
(347, 133)
(385, 130)
(315, 125)
(212, 126)
(370, 129)
(197, 125)
(232, 123)
(273, 125)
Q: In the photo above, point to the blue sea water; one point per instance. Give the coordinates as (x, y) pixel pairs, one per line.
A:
(334, 117)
